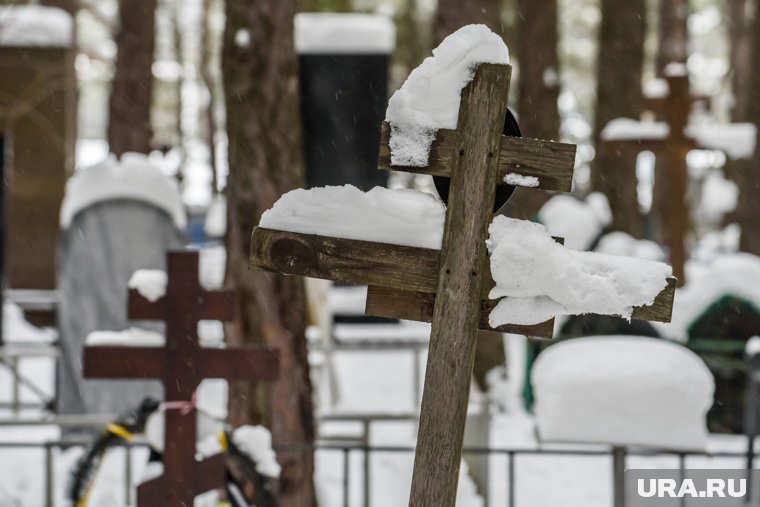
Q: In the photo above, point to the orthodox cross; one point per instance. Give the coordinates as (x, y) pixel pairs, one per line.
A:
(448, 287)
(181, 365)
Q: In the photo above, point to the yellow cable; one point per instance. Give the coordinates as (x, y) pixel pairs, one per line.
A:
(120, 431)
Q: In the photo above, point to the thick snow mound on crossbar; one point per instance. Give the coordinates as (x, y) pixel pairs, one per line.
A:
(623, 390)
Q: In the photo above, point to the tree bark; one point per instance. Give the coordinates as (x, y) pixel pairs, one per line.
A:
(538, 85)
(265, 158)
(741, 51)
(748, 208)
(454, 14)
(619, 69)
(129, 127)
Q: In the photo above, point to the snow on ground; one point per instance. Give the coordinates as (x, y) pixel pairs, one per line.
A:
(578, 222)
(401, 217)
(706, 282)
(150, 283)
(718, 197)
(429, 99)
(621, 390)
(339, 33)
(538, 278)
(133, 178)
(35, 25)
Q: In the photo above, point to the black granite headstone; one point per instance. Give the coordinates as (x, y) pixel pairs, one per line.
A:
(343, 102)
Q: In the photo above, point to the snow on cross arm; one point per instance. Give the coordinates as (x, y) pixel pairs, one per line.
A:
(150, 283)
(429, 99)
(540, 279)
(400, 217)
(35, 26)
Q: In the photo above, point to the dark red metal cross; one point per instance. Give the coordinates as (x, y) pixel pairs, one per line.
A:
(181, 365)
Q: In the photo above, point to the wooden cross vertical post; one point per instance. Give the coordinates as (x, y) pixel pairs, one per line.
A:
(456, 313)
(181, 365)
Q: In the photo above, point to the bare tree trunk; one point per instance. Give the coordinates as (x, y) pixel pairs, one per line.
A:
(748, 208)
(538, 85)
(211, 85)
(741, 51)
(454, 14)
(265, 157)
(619, 69)
(129, 127)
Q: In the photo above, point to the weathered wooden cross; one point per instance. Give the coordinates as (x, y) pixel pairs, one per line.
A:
(674, 109)
(448, 287)
(181, 365)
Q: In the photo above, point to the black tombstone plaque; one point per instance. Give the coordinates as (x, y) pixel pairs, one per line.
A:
(343, 102)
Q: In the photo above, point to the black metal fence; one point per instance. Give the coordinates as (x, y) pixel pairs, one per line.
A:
(511, 461)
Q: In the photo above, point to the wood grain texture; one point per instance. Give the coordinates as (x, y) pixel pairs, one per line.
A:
(456, 313)
(662, 307)
(404, 268)
(418, 306)
(551, 162)
(345, 260)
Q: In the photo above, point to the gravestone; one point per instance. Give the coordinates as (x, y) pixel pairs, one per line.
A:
(112, 226)
(343, 78)
(38, 120)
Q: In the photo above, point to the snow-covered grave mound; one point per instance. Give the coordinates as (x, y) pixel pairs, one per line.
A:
(35, 25)
(131, 178)
(623, 390)
(351, 33)
(578, 222)
(400, 217)
(429, 99)
(540, 279)
(736, 275)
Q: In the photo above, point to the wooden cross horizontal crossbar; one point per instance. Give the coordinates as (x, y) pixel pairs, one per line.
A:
(550, 162)
(402, 279)
(181, 364)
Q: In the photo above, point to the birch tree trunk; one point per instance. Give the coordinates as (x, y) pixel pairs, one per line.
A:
(265, 159)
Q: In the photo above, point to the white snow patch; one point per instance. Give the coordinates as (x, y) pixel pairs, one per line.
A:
(215, 225)
(351, 33)
(429, 99)
(676, 69)
(656, 88)
(132, 178)
(622, 390)
(400, 217)
(150, 283)
(256, 442)
(623, 244)
(521, 180)
(242, 38)
(752, 347)
(539, 278)
(736, 140)
(132, 337)
(626, 129)
(17, 329)
(736, 275)
(35, 25)
(578, 222)
(719, 196)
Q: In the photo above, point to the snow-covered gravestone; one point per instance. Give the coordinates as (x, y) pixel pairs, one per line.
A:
(117, 217)
(623, 391)
(343, 77)
(424, 261)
